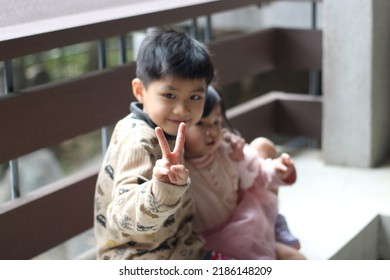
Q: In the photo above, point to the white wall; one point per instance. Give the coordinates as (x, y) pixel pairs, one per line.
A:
(278, 14)
(22, 11)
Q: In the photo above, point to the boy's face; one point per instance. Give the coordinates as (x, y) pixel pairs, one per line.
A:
(169, 101)
(205, 137)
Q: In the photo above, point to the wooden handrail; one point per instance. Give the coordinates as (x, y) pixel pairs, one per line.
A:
(48, 115)
(278, 113)
(33, 37)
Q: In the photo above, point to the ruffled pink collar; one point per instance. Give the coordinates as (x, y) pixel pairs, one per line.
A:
(202, 162)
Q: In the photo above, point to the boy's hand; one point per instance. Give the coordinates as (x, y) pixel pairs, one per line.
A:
(170, 168)
(285, 168)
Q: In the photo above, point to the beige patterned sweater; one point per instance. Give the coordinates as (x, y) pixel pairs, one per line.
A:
(137, 217)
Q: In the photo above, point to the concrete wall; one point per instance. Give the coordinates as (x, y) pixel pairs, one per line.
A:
(356, 82)
(384, 237)
(291, 14)
(381, 81)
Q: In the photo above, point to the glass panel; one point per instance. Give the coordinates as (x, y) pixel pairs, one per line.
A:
(47, 165)
(79, 152)
(284, 80)
(64, 63)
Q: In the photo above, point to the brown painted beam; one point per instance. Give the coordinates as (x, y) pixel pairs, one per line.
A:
(245, 55)
(47, 115)
(34, 37)
(299, 115)
(47, 216)
(299, 49)
(278, 113)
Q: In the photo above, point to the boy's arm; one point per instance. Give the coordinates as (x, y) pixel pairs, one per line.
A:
(139, 205)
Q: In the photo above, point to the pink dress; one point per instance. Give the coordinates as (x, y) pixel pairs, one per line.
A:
(235, 210)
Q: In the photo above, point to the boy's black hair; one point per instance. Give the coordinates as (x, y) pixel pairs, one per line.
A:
(173, 53)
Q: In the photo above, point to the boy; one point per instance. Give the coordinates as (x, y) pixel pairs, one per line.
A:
(142, 207)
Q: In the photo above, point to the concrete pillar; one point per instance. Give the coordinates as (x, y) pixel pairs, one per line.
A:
(356, 81)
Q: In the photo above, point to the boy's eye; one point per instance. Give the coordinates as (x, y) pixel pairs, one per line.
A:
(169, 95)
(217, 123)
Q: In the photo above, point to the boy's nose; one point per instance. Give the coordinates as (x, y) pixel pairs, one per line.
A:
(181, 109)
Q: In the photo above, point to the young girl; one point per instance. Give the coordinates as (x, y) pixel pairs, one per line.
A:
(235, 209)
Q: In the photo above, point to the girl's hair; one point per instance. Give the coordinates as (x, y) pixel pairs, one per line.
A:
(173, 53)
(214, 98)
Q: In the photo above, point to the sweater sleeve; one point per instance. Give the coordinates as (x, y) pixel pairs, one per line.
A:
(247, 169)
(255, 171)
(139, 203)
(267, 177)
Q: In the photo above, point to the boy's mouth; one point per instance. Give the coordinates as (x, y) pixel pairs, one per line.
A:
(179, 121)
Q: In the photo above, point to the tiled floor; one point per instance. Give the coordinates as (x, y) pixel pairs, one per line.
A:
(329, 205)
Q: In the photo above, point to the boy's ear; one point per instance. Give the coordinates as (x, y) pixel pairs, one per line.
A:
(138, 89)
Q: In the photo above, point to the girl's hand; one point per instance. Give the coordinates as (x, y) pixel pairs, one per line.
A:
(170, 168)
(237, 144)
(285, 168)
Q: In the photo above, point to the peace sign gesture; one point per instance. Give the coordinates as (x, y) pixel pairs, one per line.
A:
(170, 168)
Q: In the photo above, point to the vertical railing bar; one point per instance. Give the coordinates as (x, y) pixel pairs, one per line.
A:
(314, 74)
(313, 82)
(13, 164)
(122, 49)
(14, 171)
(194, 28)
(106, 131)
(8, 77)
(314, 15)
(102, 60)
(208, 32)
(102, 57)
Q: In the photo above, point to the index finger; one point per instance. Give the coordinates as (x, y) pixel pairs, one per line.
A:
(286, 159)
(180, 138)
(280, 167)
(162, 142)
